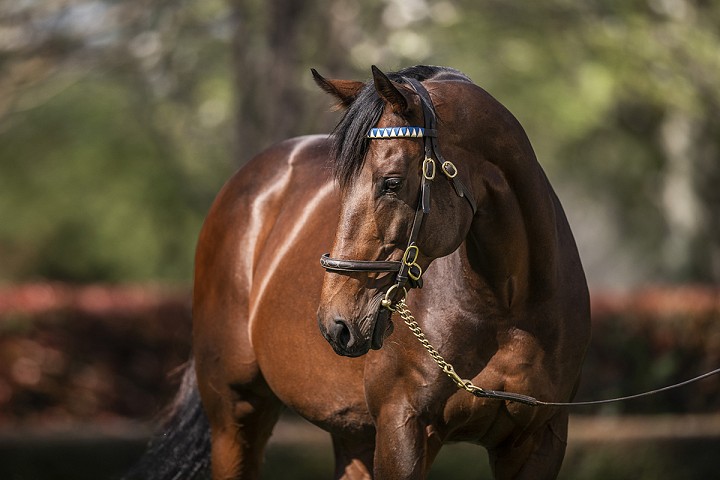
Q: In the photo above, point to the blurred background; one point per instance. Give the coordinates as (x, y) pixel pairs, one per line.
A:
(119, 122)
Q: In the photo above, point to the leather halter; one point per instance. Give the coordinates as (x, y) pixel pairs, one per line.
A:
(408, 270)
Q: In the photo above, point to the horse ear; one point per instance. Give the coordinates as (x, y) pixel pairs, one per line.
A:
(346, 91)
(395, 94)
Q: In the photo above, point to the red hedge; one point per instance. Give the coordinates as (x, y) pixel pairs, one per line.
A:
(93, 353)
(89, 353)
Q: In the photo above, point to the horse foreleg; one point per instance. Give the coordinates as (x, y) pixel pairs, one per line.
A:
(353, 458)
(404, 444)
(539, 457)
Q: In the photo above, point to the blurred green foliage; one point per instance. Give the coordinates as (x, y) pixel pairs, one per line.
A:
(88, 193)
(120, 120)
(111, 147)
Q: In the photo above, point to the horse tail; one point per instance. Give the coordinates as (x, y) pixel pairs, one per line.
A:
(181, 448)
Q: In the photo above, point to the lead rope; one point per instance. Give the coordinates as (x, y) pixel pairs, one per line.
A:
(402, 309)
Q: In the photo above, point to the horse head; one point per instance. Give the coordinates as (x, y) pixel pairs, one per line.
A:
(403, 203)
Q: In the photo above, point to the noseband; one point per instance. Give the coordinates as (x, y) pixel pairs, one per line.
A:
(409, 273)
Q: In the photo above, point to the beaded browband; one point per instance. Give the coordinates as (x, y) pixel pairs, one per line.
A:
(397, 132)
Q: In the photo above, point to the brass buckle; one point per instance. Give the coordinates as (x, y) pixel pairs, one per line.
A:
(411, 250)
(429, 168)
(415, 272)
(449, 169)
(410, 259)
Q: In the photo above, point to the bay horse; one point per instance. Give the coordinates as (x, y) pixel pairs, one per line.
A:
(426, 181)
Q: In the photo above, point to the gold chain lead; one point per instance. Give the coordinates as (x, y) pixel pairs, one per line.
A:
(402, 309)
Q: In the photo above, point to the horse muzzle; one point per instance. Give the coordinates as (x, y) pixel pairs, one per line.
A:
(354, 339)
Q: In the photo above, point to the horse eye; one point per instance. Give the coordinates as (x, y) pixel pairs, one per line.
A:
(392, 184)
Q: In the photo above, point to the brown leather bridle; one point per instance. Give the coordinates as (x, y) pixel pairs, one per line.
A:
(408, 271)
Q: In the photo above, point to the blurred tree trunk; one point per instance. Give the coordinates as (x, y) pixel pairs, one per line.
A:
(275, 44)
(706, 254)
(690, 193)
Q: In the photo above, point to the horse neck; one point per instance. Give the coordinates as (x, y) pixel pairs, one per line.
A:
(512, 242)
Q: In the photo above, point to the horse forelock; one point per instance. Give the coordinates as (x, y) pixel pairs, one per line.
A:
(349, 142)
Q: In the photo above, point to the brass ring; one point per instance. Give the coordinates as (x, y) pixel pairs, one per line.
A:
(386, 302)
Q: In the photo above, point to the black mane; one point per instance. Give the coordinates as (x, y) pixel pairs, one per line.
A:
(349, 144)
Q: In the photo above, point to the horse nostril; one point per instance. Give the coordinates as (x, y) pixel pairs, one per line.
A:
(341, 334)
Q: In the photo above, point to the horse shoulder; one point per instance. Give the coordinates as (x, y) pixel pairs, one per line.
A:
(230, 244)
